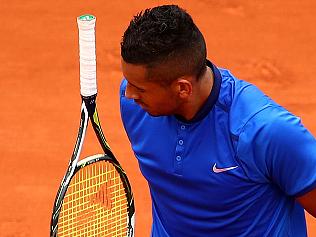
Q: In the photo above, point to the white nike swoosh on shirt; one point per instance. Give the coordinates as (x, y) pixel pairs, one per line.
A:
(220, 170)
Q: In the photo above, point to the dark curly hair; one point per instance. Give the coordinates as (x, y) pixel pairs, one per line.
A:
(167, 42)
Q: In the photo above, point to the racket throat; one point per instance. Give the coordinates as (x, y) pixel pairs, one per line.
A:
(90, 104)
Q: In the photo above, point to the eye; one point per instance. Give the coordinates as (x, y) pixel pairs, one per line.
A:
(141, 90)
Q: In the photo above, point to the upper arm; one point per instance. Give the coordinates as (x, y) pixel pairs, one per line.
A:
(308, 201)
(280, 150)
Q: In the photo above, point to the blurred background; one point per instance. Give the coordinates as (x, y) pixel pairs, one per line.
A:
(269, 43)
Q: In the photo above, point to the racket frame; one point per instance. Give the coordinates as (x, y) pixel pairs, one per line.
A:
(89, 111)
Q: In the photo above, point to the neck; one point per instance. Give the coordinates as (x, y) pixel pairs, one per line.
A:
(201, 91)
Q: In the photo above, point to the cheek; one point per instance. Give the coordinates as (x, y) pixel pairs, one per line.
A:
(163, 99)
(169, 101)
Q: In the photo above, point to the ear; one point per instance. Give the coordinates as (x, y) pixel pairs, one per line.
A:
(183, 87)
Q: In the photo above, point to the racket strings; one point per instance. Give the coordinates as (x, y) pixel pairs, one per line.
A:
(95, 203)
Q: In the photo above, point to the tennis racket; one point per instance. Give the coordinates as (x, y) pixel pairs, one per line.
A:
(95, 197)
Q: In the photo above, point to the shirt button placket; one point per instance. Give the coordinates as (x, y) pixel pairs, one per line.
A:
(180, 149)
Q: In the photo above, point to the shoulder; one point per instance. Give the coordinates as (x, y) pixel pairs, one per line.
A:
(252, 115)
(124, 101)
(242, 101)
(123, 87)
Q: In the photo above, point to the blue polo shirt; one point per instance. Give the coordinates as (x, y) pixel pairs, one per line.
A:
(233, 170)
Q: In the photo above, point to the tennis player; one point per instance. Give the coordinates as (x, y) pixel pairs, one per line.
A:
(220, 157)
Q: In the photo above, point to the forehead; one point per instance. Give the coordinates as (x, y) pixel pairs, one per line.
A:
(134, 72)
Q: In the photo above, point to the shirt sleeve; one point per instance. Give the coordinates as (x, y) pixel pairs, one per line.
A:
(275, 147)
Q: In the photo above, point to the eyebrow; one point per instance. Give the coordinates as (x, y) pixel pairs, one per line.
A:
(135, 85)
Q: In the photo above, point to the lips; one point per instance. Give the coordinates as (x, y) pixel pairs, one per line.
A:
(138, 102)
(141, 104)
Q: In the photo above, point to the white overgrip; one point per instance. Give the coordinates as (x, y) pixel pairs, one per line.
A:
(87, 55)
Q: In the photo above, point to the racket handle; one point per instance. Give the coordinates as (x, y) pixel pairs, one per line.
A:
(87, 55)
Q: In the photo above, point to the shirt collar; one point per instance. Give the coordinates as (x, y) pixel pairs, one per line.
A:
(212, 98)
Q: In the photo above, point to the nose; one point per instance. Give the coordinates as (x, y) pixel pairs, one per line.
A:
(130, 92)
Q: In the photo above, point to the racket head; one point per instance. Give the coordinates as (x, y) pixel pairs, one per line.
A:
(97, 202)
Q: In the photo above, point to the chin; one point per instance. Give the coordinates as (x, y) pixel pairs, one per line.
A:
(158, 114)
(154, 114)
